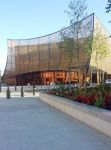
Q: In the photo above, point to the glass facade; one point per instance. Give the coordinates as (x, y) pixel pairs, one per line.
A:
(44, 60)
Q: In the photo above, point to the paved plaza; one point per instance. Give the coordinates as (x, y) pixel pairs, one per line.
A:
(30, 124)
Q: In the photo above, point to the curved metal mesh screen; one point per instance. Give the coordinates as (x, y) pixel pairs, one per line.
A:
(44, 53)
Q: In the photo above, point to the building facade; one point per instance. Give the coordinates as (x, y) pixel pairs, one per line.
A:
(49, 58)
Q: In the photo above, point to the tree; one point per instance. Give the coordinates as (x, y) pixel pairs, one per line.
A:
(70, 38)
(67, 46)
(87, 40)
(108, 8)
(99, 49)
(76, 11)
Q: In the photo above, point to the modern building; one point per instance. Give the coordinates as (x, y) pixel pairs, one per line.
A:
(52, 58)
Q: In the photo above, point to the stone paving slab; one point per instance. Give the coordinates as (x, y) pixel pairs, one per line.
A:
(30, 124)
(18, 94)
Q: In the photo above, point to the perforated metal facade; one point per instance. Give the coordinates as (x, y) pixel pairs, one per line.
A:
(30, 58)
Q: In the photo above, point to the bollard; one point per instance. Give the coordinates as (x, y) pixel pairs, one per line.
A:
(22, 92)
(33, 89)
(8, 93)
(15, 88)
(0, 87)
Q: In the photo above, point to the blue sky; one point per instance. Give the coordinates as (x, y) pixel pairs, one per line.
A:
(34, 18)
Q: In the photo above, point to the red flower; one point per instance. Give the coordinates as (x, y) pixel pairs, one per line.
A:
(86, 99)
(107, 100)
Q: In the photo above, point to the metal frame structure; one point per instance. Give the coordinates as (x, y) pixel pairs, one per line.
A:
(41, 60)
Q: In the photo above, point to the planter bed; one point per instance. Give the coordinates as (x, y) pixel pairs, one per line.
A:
(97, 118)
(99, 96)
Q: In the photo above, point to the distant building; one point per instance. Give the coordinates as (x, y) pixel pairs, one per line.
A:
(42, 61)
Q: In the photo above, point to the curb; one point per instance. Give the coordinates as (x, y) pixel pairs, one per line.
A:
(96, 118)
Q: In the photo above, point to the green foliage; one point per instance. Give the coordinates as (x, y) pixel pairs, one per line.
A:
(87, 45)
(71, 43)
(76, 10)
(67, 44)
(60, 83)
(79, 92)
(100, 44)
(107, 88)
(99, 96)
(100, 48)
(108, 8)
(99, 102)
(94, 91)
(101, 89)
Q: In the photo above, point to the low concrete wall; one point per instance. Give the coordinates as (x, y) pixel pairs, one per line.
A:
(96, 118)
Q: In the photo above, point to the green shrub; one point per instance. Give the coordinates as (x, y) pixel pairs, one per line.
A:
(99, 102)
